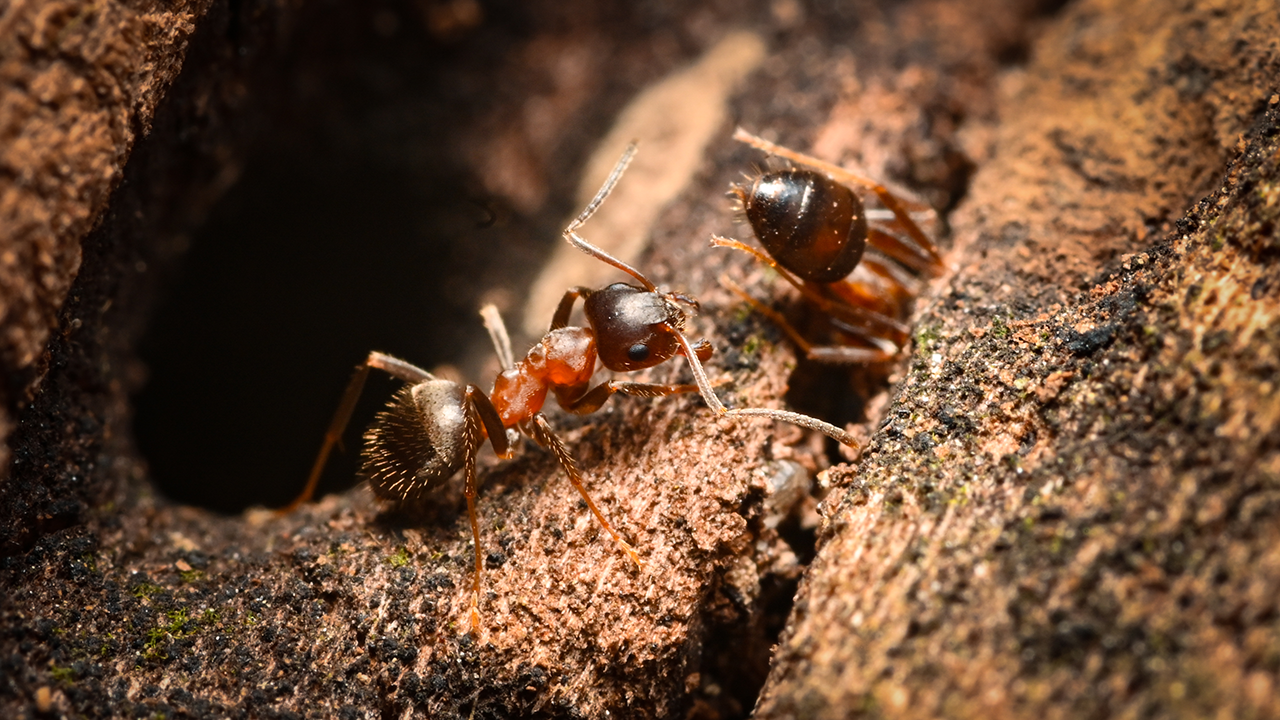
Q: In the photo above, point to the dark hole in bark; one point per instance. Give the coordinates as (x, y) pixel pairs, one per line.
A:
(352, 227)
(835, 393)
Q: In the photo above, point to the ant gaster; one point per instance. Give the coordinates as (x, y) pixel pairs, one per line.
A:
(815, 230)
(433, 427)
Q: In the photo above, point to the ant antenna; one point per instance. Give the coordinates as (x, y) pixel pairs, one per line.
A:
(498, 334)
(713, 401)
(576, 240)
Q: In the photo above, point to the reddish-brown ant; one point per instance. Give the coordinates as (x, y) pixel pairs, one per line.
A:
(815, 230)
(433, 427)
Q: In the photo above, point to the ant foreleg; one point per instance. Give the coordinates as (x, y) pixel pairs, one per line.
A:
(597, 396)
(541, 431)
(392, 366)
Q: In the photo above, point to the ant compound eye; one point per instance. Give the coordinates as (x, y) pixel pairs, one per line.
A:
(638, 352)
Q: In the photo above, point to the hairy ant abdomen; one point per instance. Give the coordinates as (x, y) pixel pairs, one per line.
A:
(415, 441)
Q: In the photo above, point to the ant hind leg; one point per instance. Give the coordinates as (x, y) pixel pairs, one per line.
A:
(479, 413)
(392, 366)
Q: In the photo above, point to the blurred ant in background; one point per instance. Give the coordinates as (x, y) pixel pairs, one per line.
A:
(433, 427)
(815, 231)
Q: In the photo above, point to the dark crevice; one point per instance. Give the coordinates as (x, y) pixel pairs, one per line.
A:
(354, 226)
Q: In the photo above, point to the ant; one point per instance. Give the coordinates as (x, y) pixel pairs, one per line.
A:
(815, 230)
(433, 427)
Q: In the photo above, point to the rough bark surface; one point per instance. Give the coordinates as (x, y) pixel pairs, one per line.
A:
(84, 81)
(1067, 507)
(1070, 507)
(80, 82)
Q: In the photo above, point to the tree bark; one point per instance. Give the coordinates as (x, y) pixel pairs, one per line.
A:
(1070, 507)
(1065, 507)
(81, 82)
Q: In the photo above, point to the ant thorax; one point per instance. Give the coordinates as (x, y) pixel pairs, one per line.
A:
(563, 357)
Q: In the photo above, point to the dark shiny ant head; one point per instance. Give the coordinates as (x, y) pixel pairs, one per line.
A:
(635, 328)
(812, 225)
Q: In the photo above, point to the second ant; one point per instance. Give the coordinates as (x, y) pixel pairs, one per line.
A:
(815, 231)
(434, 427)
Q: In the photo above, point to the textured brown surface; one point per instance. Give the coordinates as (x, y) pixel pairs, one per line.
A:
(1066, 509)
(71, 448)
(1070, 507)
(175, 611)
(78, 82)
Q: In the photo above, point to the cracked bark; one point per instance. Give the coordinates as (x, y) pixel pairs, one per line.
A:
(1066, 506)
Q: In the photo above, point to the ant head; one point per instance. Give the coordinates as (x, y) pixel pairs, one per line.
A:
(812, 225)
(635, 328)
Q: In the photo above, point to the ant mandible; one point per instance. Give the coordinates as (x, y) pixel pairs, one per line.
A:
(433, 427)
(815, 230)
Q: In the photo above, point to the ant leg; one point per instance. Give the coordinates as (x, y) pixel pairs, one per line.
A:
(471, 444)
(704, 349)
(905, 253)
(477, 400)
(390, 365)
(875, 285)
(480, 411)
(897, 283)
(469, 489)
(933, 262)
(820, 353)
(561, 318)
(397, 368)
(546, 437)
(878, 324)
(805, 346)
(713, 401)
(597, 396)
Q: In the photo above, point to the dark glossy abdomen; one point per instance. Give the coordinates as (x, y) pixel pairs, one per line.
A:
(812, 225)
